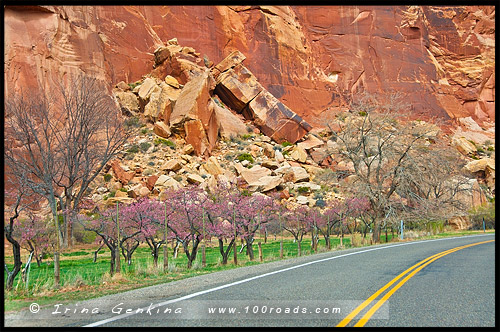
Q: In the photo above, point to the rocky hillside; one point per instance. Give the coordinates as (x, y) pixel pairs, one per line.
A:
(190, 135)
(312, 59)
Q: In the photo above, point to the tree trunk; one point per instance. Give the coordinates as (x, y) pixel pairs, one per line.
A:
(376, 232)
(57, 277)
(191, 256)
(155, 257)
(97, 251)
(16, 250)
(225, 253)
(112, 261)
(59, 242)
(249, 242)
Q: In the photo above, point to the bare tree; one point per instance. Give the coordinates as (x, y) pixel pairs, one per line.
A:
(390, 158)
(30, 152)
(62, 146)
(22, 201)
(91, 136)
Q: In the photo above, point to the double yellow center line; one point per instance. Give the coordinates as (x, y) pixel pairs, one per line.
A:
(411, 272)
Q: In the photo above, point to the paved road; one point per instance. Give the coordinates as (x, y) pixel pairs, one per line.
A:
(457, 289)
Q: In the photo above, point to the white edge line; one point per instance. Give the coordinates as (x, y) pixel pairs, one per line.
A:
(189, 296)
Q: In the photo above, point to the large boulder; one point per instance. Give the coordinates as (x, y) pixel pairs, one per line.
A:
(192, 116)
(213, 167)
(485, 168)
(147, 87)
(485, 164)
(311, 142)
(161, 129)
(230, 125)
(165, 181)
(298, 154)
(161, 102)
(463, 145)
(129, 104)
(265, 183)
(252, 175)
(172, 165)
(239, 89)
(120, 174)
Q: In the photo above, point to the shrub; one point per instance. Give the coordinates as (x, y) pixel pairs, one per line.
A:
(247, 136)
(133, 149)
(107, 177)
(286, 143)
(144, 146)
(133, 85)
(245, 156)
(129, 156)
(486, 211)
(245, 192)
(133, 122)
(163, 141)
(303, 190)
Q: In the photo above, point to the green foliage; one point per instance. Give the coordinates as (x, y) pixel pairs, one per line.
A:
(303, 190)
(245, 156)
(491, 148)
(245, 192)
(144, 131)
(320, 203)
(133, 85)
(286, 143)
(74, 253)
(107, 177)
(133, 149)
(486, 211)
(246, 136)
(134, 122)
(363, 113)
(144, 146)
(157, 141)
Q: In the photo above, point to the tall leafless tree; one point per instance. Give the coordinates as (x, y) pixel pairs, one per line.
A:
(62, 144)
(396, 163)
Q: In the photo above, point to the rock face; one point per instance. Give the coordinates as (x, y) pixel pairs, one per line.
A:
(311, 58)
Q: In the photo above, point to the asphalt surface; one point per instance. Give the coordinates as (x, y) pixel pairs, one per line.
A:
(456, 290)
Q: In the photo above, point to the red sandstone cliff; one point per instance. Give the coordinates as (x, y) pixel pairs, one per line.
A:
(310, 58)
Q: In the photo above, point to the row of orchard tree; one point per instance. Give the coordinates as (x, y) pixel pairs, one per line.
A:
(190, 215)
